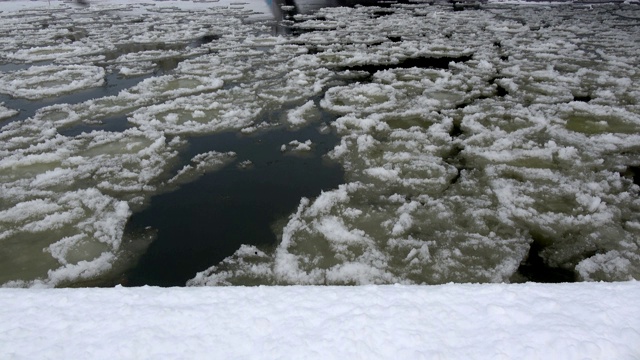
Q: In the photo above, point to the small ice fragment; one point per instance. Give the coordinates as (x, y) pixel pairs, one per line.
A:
(595, 203)
(301, 115)
(244, 165)
(297, 146)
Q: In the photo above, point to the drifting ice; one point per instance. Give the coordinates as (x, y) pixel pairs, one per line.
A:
(465, 139)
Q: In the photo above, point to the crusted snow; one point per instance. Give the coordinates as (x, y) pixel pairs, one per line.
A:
(453, 321)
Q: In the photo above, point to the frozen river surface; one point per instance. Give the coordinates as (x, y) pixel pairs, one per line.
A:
(496, 144)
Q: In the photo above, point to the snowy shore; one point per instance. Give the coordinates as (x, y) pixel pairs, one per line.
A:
(452, 321)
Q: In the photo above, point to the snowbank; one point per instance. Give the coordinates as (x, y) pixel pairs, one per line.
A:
(471, 141)
(528, 321)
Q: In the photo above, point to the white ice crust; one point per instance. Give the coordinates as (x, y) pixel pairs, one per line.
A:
(453, 173)
(6, 113)
(515, 125)
(39, 82)
(453, 321)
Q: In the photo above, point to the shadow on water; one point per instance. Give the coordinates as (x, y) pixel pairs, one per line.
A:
(206, 221)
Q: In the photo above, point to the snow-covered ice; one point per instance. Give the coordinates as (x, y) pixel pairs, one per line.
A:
(453, 321)
(6, 112)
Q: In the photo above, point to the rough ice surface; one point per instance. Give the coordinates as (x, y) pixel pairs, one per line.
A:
(6, 112)
(466, 140)
(452, 321)
(38, 82)
(468, 137)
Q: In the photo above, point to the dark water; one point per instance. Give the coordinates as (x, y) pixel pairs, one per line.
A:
(206, 221)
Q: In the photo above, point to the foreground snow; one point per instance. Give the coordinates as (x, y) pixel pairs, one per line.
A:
(528, 321)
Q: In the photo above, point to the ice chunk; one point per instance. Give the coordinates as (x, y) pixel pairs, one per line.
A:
(302, 115)
(38, 82)
(612, 265)
(202, 163)
(6, 113)
(95, 220)
(223, 110)
(54, 52)
(296, 146)
(171, 86)
(360, 98)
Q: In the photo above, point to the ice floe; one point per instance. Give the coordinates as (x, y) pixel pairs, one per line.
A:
(296, 146)
(6, 113)
(39, 82)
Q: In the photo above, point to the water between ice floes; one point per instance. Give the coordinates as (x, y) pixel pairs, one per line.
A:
(207, 220)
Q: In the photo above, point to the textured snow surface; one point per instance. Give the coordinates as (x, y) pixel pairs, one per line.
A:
(527, 321)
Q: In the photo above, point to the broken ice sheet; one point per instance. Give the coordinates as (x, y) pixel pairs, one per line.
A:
(73, 197)
(38, 82)
(455, 173)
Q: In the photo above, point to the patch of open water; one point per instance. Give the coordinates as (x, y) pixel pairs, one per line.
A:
(206, 221)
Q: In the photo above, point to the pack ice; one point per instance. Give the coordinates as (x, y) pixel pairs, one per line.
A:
(450, 321)
(468, 138)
